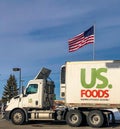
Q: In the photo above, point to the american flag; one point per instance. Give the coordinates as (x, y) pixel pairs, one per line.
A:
(81, 40)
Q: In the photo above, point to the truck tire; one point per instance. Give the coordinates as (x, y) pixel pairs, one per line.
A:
(74, 118)
(95, 118)
(18, 117)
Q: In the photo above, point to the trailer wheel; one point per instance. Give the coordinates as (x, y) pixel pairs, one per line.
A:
(74, 118)
(18, 117)
(95, 118)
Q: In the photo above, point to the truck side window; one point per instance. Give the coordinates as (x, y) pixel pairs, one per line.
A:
(63, 75)
(32, 88)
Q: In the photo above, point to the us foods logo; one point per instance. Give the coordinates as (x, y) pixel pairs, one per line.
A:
(98, 86)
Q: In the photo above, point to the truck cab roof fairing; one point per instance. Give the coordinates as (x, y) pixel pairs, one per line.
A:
(43, 74)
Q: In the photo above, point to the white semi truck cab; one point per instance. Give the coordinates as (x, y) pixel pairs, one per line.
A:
(89, 90)
(36, 102)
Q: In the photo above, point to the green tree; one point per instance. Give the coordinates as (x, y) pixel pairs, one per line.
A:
(10, 89)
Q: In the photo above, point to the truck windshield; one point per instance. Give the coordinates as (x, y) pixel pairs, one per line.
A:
(63, 75)
(32, 88)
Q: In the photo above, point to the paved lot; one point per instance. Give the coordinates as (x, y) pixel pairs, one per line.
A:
(4, 124)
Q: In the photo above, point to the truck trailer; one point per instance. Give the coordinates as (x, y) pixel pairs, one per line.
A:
(89, 89)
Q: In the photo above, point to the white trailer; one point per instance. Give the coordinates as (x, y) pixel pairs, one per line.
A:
(92, 84)
(89, 89)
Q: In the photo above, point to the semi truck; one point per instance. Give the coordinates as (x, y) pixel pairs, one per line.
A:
(89, 89)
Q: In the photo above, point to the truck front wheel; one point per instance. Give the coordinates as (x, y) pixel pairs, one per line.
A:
(18, 117)
(74, 118)
(95, 118)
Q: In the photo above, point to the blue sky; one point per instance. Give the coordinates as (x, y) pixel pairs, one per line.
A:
(35, 33)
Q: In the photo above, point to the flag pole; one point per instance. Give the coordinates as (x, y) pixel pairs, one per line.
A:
(94, 45)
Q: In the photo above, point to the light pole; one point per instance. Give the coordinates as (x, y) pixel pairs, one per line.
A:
(18, 69)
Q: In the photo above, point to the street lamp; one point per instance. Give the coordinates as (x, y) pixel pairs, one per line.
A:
(18, 69)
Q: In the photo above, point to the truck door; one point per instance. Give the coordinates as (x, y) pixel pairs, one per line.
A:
(32, 98)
